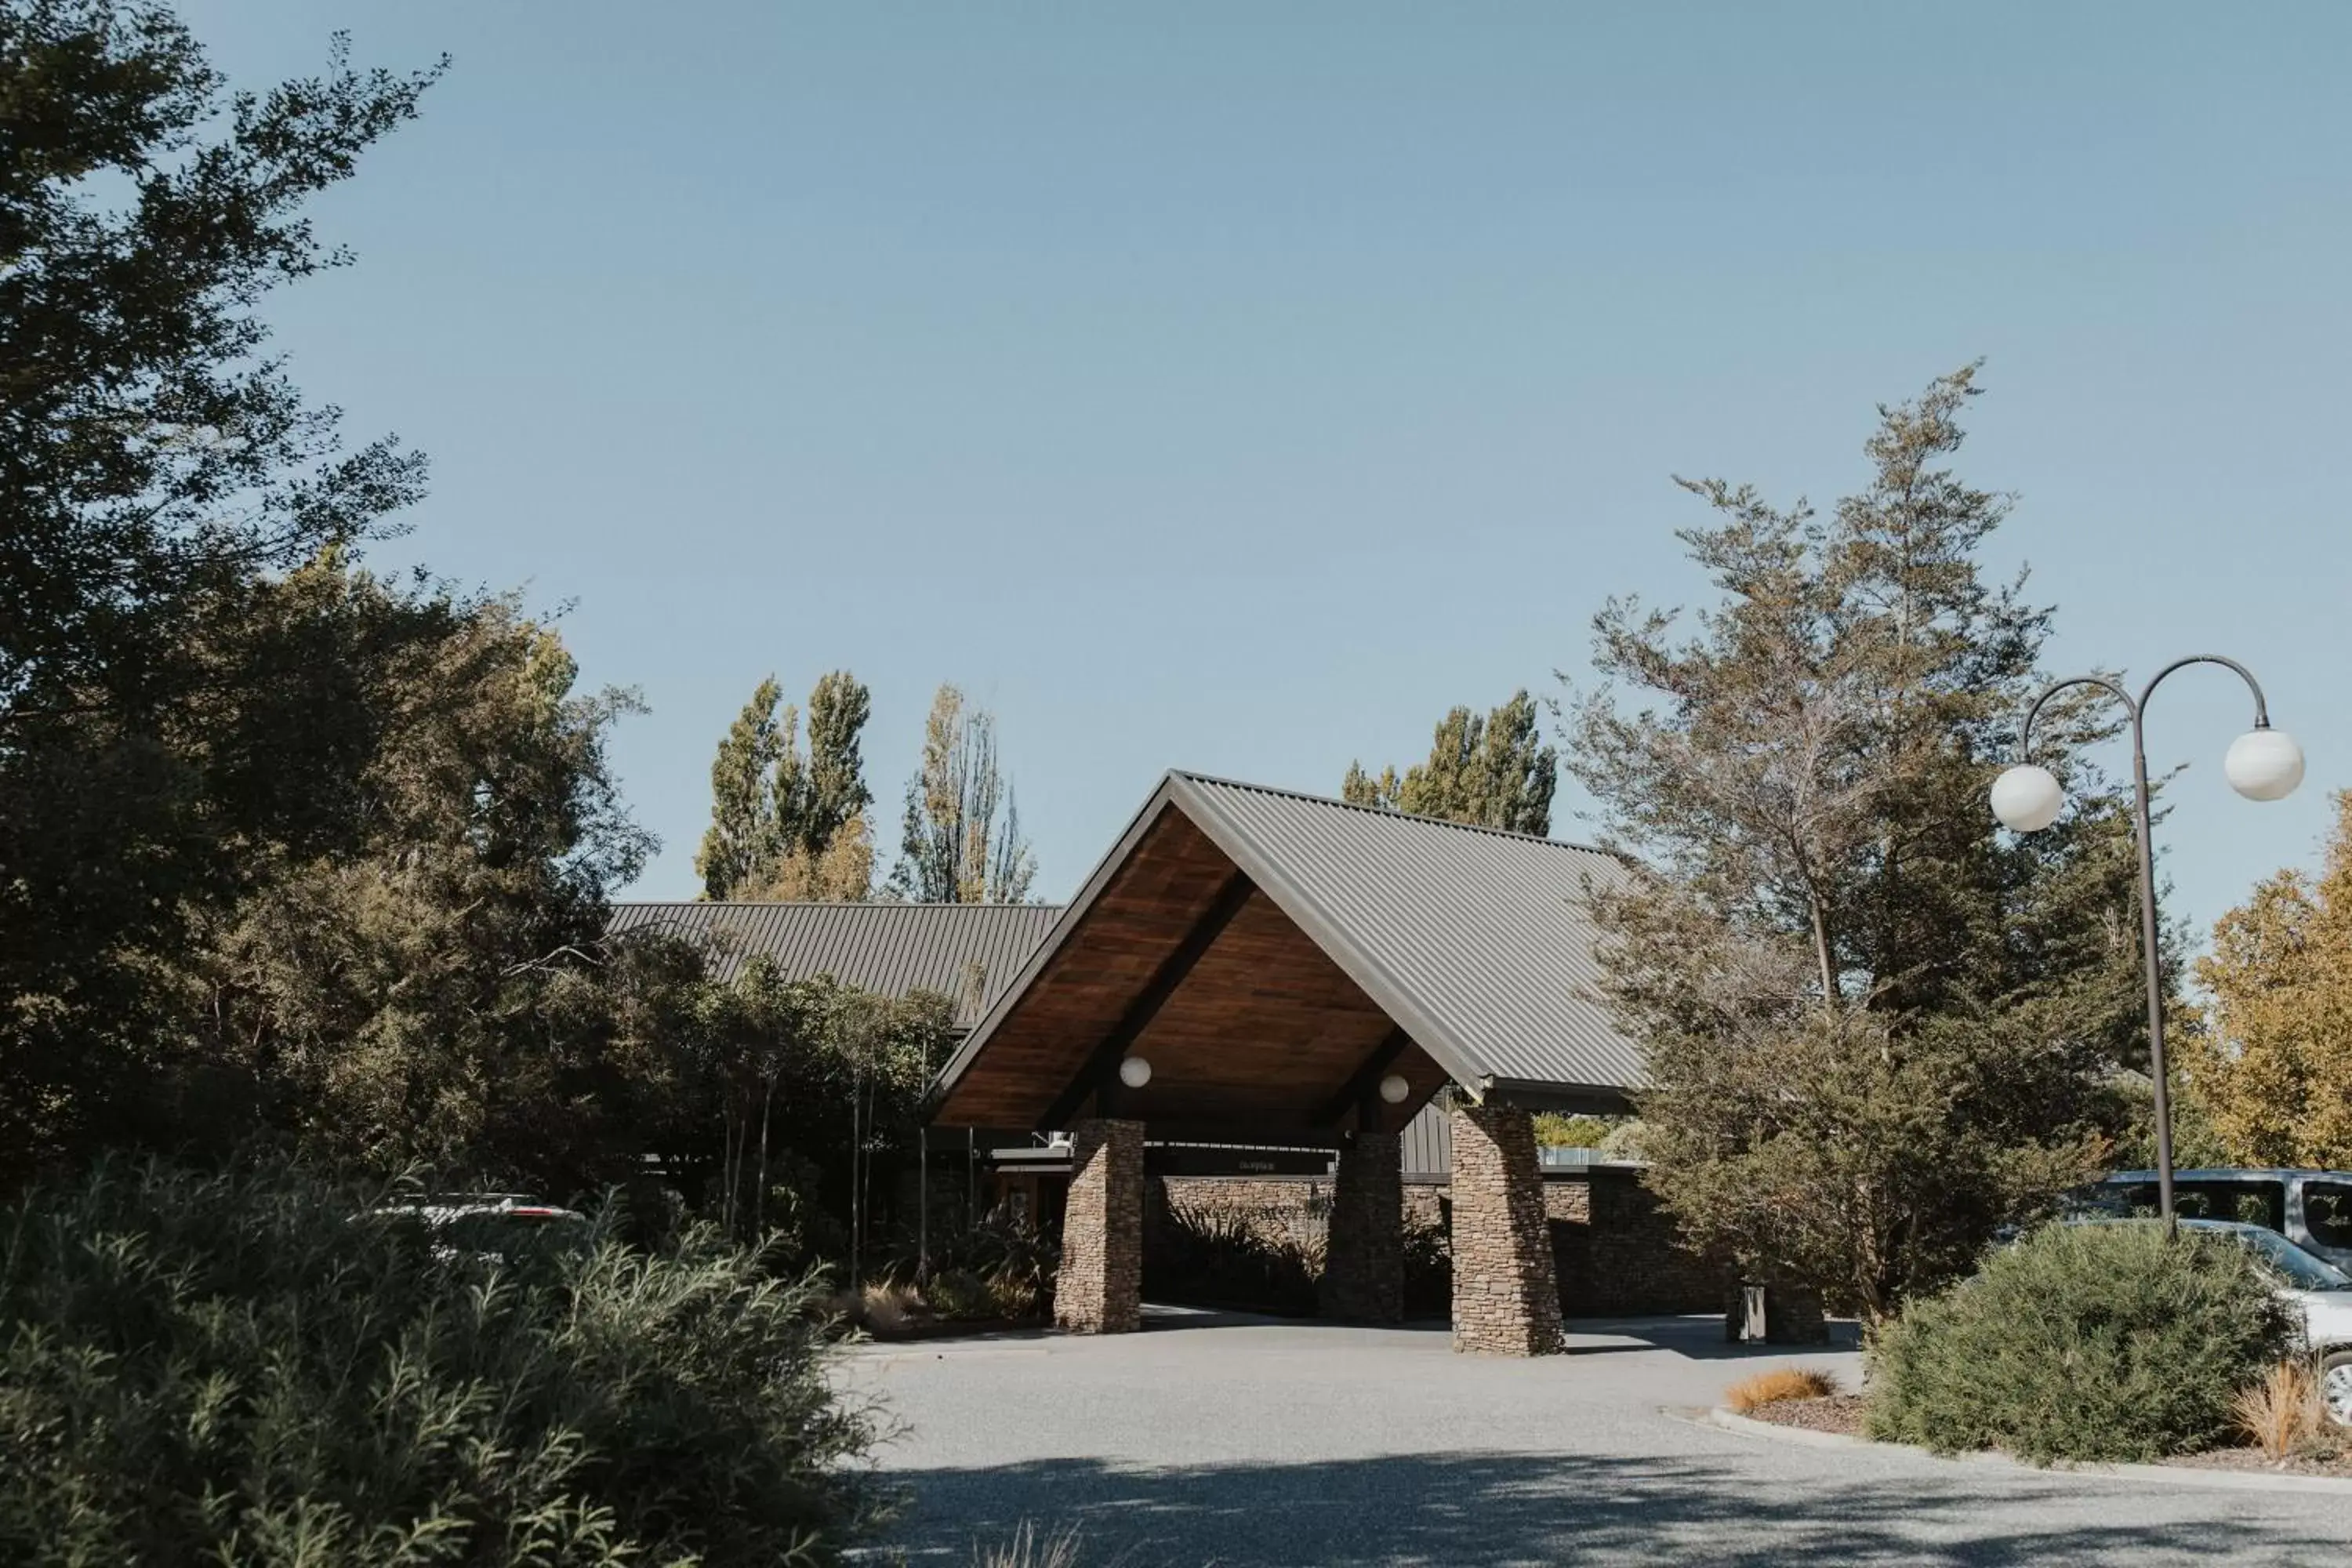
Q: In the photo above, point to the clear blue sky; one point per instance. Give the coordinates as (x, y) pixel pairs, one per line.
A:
(1236, 387)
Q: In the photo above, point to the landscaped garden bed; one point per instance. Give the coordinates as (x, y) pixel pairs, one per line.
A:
(2084, 1345)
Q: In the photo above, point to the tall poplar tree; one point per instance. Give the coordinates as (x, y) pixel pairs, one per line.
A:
(961, 839)
(1877, 1028)
(785, 825)
(1494, 771)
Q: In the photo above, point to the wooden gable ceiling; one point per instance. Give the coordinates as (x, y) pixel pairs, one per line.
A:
(1260, 1030)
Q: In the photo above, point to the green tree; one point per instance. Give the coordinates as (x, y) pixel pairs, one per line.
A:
(1494, 771)
(402, 996)
(2274, 1065)
(962, 842)
(1876, 1029)
(159, 474)
(785, 825)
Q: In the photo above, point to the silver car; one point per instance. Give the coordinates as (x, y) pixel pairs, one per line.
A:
(2311, 1208)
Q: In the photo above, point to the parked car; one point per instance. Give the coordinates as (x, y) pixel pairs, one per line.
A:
(497, 1227)
(2320, 1291)
(2311, 1208)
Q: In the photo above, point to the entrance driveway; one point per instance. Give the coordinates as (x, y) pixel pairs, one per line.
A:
(1211, 1439)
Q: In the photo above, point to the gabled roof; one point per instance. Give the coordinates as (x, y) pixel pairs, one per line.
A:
(967, 951)
(1475, 942)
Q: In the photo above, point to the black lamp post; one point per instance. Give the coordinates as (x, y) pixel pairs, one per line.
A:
(2263, 763)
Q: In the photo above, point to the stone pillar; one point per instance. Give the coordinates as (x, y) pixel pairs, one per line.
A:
(1100, 1288)
(1506, 1293)
(1363, 1261)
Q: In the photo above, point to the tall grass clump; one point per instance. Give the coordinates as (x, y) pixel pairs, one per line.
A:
(1779, 1383)
(2283, 1412)
(2082, 1342)
(234, 1368)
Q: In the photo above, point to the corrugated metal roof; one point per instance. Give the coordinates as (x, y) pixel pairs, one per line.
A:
(1477, 941)
(968, 951)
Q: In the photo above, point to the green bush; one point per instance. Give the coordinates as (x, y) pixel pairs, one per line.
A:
(1215, 1256)
(234, 1369)
(1428, 1264)
(2082, 1343)
(959, 1293)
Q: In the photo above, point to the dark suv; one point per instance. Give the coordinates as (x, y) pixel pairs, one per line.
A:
(2311, 1208)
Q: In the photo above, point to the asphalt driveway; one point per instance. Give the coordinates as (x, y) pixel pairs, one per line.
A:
(1211, 1439)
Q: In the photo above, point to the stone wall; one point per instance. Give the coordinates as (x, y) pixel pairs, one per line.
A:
(1616, 1253)
(1506, 1293)
(1297, 1207)
(1613, 1250)
(1100, 1287)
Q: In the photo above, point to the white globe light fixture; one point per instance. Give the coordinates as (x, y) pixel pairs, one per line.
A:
(2263, 765)
(2027, 799)
(1134, 1073)
(1394, 1088)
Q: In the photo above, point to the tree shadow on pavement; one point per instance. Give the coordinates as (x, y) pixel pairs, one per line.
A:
(1478, 1510)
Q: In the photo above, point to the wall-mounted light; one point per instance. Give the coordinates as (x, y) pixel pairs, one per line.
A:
(1134, 1073)
(1394, 1088)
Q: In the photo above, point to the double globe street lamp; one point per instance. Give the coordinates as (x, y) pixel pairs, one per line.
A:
(2263, 763)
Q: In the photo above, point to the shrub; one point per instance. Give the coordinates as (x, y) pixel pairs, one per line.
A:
(997, 1247)
(885, 1307)
(1779, 1384)
(1428, 1265)
(2108, 1341)
(1226, 1257)
(232, 1368)
(959, 1294)
(1012, 1295)
(2283, 1412)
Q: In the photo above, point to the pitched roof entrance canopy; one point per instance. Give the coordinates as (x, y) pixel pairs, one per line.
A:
(1274, 955)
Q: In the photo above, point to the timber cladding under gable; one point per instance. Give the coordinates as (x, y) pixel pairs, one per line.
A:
(1263, 1027)
(1358, 921)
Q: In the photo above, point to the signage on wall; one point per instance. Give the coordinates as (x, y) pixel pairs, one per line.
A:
(1201, 1160)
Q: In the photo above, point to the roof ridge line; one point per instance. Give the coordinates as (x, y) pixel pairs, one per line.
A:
(1391, 811)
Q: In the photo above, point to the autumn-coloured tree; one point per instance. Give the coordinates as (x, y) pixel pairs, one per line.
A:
(784, 825)
(2274, 1065)
(1494, 771)
(962, 841)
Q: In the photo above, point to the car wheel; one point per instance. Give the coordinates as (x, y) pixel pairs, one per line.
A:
(2335, 1386)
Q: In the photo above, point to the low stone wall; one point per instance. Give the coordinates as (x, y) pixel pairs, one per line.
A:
(1297, 1207)
(1613, 1250)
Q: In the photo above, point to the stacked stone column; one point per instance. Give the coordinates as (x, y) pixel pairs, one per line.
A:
(1100, 1287)
(1505, 1290)
(1363, 1265)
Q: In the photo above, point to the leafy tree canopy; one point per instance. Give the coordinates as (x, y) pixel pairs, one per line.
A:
(173, 714)
(2276, 1065)
(784, 823)
(1494, 771)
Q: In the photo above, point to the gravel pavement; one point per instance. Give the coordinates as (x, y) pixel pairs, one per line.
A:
(1242, 1442)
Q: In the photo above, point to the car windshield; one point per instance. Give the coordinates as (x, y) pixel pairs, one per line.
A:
(2300, 1269)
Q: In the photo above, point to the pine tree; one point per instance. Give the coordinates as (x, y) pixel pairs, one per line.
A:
(1877, 1028)
(1494, 771)
(961, 839)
